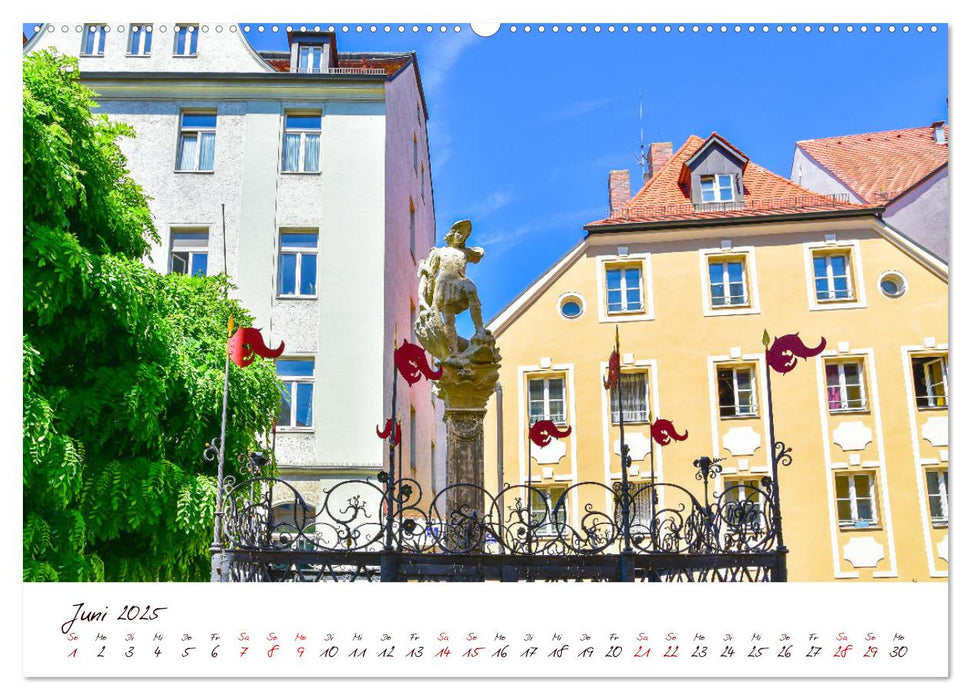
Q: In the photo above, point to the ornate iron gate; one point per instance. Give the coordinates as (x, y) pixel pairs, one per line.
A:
(385, 529)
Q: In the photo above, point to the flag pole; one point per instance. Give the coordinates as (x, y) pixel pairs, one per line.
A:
(389, 518)
(777, 511)
(529, 490)
(625, 486)
(654, 445)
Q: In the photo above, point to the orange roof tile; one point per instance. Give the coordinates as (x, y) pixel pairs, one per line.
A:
(662, 198)
(882, 165)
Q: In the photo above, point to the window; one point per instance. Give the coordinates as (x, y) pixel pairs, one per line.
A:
(140, 40)
(937, 495)
(571, 306)
(421, 180)
(855, 505)
(93, 40)
(743, 502)
(930, 381)
(844, 386)
(736, 392)
(186, 39)
(726, 282)
(624, 289)
(297, 274)
(411, 226)
(893, 284)
(546, 400)
(197, 141)
(640, 508)
(413, 438)
(190, 252)
(297, 406)
(717, 188)
(547, 510)
(309, 59)
(414, 152)
(633, 386)
(301, 143)
(831, 276)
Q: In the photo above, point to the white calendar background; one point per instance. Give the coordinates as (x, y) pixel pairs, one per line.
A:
(492, 630)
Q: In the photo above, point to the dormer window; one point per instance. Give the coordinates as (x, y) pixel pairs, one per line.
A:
(717, 188)
(309, 59)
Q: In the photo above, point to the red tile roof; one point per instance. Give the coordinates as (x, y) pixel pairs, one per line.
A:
(882, 165)
(662, 198)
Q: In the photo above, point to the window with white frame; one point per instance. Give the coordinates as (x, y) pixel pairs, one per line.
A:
(844, 386)
(547, 510)
(855, 500)
(640, 507)
(832, 278)
(190, 252)
(297, 406)
(197, 142)
(624, 292)
(140, 40)
(547, 400)
(297, 270)
(633, 387)
(937, 495)
(310, 59)
(727, 285)
(186, 39)
(930, 381)
(717, 188)
(736, 391)
(93, 40)
(301, 143)
(744, 502)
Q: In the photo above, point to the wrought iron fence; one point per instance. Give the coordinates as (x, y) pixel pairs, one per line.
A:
(379, 529)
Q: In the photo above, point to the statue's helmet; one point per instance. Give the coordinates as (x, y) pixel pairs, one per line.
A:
(460, 230)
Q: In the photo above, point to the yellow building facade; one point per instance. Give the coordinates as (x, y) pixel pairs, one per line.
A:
(690, 287)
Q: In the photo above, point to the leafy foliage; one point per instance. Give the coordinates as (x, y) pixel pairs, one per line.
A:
(123, 368)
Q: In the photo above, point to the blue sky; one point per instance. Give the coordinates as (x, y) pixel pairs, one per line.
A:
(524, 127)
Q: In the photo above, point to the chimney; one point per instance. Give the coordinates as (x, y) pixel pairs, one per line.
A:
(658, 156)
(618, 185)
(940, 136)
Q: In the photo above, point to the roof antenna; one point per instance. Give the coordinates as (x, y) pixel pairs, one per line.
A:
(641, 159)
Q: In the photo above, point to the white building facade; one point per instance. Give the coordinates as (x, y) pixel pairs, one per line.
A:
(321, 161)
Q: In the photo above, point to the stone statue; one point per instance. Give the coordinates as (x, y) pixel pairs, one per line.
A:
(444, 291)
(470, 371)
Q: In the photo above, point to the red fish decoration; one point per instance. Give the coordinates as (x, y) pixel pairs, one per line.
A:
(785, 352)
(411, 362)
(383, 434)
(613, 371)
(663, 432)
(542, 432)
(246, 343)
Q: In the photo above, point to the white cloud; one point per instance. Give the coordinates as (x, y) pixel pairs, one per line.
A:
(492, 202)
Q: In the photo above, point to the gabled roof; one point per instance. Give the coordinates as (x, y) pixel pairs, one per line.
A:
(882, 165)
(665, 197)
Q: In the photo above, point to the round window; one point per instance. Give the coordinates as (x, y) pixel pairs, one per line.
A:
(893, 284)
(571, 306)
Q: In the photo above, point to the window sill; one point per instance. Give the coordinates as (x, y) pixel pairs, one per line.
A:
(186, 55)
(628, 312)
(863, 528)
(939, 525)
(138, 55)
(195, 172)
(300, 172)
(294, 430)
(92, 55)
(296, 297)
(739, 417)
(932, 408)
(840, 411)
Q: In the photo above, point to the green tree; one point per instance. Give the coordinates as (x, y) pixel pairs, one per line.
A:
(123, 367)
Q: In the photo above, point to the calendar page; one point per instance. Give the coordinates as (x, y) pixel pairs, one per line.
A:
(517, 350)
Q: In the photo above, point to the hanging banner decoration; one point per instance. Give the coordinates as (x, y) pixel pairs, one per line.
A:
(246, 343)
(383, 434)
(663, 432)
(411, 362)
(613, 371)
(542, 432)
(785, 351)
